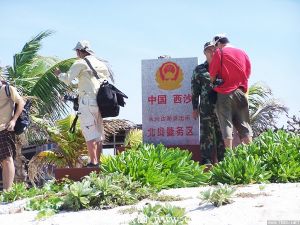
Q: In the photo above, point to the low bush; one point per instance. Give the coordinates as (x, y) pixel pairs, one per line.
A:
(272, 157)
(161, 215)
(157, 166)
(221, 195)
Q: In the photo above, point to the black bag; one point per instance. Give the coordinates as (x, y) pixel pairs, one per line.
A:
(109, 98)
(23, 121)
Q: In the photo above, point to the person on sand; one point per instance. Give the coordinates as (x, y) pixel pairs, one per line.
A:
(233, 67)
(7, 137)
(211, 142)
(91, 122)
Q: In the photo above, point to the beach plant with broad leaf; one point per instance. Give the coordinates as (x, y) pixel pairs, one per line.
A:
(272, 157)
(133, 138)
(218, 196)
(158, 166)
(279, 152)
(239, 167)
(70, 149)
(161, 215)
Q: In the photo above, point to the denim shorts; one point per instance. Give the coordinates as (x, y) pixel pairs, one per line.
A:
(233, 111)
(91, 122)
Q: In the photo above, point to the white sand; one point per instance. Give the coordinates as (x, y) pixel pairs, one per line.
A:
(274, 202)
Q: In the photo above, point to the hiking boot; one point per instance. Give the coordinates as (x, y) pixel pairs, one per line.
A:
(92, 165)
(206, 162)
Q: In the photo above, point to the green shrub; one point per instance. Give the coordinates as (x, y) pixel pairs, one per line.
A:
(157, 166)
(272, 157)
(238, 167)
(19, 191)
(161, 215)
(280, 152)
(221, 195)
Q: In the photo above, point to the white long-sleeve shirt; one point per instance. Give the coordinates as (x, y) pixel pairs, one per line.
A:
(88, 84)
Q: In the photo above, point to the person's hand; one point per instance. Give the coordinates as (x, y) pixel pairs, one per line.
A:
(57, 71)
(11, 125)
(195, 114)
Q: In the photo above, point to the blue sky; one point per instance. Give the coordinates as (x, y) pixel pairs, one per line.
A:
(125, 32)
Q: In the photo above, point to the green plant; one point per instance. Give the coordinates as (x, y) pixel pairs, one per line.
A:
(161, 215)
(272, 157)
(79, 195)
(71, 146)
(239, 167)
(157, 166)
(166, 198)
(18, 191)
(279, 152)
(134, 138)
(219, 196)
(264, 109)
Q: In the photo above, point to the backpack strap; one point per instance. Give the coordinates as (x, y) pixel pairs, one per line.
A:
(92, 68)
(7, 90)
(73, 126)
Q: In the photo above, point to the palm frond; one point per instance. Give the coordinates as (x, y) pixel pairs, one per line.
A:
(49, 91)
(23, 59)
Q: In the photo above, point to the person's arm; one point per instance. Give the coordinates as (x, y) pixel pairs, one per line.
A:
(196, 89)
(215, 66)
(73, 72)
(17, 100)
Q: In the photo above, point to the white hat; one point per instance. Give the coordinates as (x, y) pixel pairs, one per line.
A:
(84, 45)
(217, 38)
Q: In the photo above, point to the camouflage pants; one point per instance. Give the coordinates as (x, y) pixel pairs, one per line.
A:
(211, 141)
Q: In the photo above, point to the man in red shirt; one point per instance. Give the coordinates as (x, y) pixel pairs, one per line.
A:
(232, 66)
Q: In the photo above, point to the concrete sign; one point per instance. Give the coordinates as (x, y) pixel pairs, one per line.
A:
(167, 102)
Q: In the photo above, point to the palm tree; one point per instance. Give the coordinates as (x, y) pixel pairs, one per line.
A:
(71, 146)
(33, 76)
(264, 108)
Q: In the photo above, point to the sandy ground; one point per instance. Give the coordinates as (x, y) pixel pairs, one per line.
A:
(252, 205)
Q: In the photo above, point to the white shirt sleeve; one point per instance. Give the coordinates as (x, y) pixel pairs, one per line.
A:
(73, 72)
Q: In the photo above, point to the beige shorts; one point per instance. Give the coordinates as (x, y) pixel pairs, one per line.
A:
(90, 119)
(233, 111)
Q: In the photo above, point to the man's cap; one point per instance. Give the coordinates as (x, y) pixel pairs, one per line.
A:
(84, 45)
(217, 38)
(208, 44)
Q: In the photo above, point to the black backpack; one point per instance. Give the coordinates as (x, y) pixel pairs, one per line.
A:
(23, 121)
(109, 98)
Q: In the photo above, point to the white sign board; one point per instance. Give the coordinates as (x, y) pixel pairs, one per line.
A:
(167, 102)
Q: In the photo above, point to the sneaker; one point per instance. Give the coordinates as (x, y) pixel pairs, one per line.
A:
(206, 162)
(92, 165)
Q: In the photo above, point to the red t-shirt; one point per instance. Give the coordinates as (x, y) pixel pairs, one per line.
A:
(236, 69)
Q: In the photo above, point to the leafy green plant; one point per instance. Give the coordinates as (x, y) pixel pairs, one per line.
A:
(95, 191)
(280, 153)
(71, 146)
(239, 167)
(19, 191)
(79, 195)
(166, 198)
(134, 138)
(161, 215)
(157, 166)
(219, 196)
(272, 157)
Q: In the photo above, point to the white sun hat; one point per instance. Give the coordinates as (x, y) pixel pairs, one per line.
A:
(84, 45)
(218, 37)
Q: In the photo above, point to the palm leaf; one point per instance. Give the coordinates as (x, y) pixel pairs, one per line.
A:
(263, 108)
(49, 90)
(23, 59)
